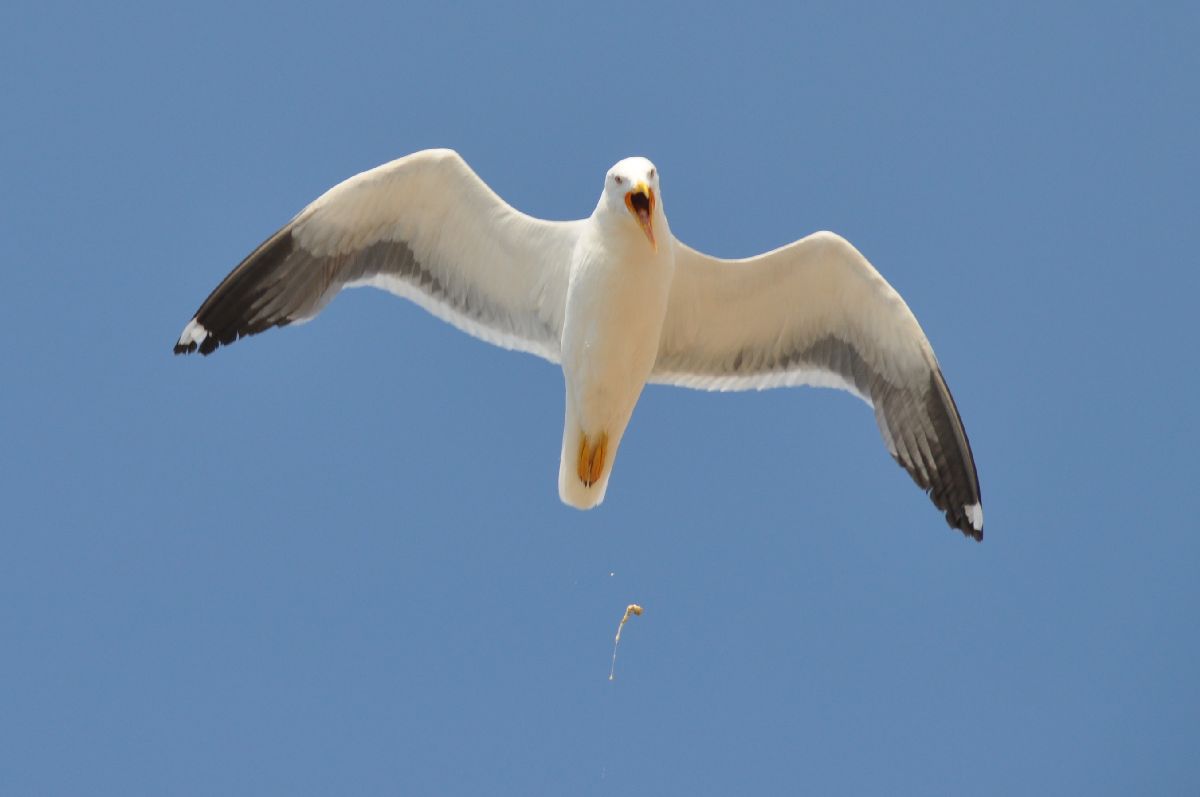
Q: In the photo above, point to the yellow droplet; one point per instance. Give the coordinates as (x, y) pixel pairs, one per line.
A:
(630, 610)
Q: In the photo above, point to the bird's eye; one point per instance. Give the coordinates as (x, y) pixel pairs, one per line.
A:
(618, 180)
(652, 173)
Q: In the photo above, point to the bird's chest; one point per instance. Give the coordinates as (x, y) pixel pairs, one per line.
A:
(615, 311)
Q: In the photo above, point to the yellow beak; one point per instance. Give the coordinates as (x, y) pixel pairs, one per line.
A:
(640, 202)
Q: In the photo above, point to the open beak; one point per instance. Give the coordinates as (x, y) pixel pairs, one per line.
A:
(640, 202)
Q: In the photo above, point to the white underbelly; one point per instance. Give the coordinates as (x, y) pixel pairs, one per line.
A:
(611, 373)
(610, 343)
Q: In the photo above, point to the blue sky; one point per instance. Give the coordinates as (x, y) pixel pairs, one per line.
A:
(266, 572)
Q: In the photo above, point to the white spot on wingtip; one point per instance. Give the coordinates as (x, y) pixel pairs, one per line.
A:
(194, 332)
(975, 515)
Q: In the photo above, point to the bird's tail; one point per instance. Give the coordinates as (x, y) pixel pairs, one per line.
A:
(585, 466)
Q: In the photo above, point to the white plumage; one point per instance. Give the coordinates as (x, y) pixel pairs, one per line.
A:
(615, 299)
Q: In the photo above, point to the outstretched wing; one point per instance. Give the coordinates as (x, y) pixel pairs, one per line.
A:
(816, 312)
(423, 227)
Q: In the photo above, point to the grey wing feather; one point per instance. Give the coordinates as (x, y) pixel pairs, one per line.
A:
(817, 313)
(424, 227)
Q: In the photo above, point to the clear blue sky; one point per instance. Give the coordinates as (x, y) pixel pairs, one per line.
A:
(266, 572)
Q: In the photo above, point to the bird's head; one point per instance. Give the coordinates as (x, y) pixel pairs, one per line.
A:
(631, 190)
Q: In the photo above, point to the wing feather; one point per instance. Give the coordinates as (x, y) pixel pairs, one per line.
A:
(424, 227)
(816, 312)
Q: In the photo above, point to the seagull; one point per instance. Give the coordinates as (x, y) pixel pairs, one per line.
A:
(618, 302)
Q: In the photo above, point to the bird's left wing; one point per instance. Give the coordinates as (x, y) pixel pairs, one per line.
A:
(423, 227)
(816, 312)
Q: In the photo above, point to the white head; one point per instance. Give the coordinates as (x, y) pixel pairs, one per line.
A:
(631, 195)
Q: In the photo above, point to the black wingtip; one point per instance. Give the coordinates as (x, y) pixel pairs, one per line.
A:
(246, 302)
(962, 521)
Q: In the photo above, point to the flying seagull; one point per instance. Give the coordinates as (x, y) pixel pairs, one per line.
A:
(617, 301)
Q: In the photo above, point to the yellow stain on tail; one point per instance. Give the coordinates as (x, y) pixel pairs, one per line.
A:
(591, 458)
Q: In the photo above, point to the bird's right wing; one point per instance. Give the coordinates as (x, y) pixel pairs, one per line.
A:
(424, 227)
